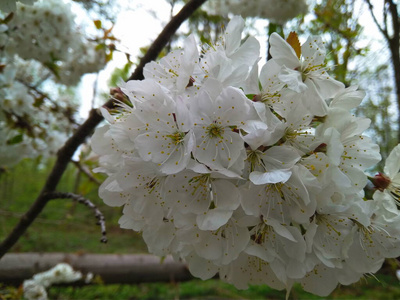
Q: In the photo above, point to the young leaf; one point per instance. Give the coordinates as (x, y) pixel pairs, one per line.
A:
(97, 23)
(15, 140)
(293, 40)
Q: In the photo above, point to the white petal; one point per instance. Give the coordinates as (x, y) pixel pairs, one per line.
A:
(321, 281)
(348, 99)
(258, 133)
(293, 79)
(101, 142)
(233, 34)
(226, 195)
(248, 52)
(282, 52)
(275, 176)
(210, 246)
(392, 165)
(259, 251)
(280, 229)
(280, 157)
(200, 267)
(213, 219)
(106, 115)
(111, 193)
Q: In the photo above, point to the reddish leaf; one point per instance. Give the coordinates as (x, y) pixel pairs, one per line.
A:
(293, 40)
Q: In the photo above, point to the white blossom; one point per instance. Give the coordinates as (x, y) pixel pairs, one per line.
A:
(35, 288)
(254, 177)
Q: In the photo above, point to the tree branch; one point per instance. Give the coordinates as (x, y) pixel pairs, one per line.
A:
(371, 10)
(65, 154)
(395, 20)
(78, 198)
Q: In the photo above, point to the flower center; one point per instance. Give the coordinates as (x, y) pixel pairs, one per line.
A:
(215, 130)
(262, 233)
(254, 158)
(177, 137)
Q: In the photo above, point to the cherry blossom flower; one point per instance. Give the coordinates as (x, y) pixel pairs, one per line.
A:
(254, 177)
(388, 182)
(304, 72)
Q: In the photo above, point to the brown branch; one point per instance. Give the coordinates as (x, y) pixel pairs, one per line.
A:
(65, 154)
(78, 198)
(111, 268)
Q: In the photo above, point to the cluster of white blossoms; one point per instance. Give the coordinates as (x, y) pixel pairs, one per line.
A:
(35, 288)
(47, 33)
(40, 45)
(11, 5)
(257, 176)
(27, 129)
(276, 11)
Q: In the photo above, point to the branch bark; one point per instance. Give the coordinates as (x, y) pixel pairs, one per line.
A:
(112, 268)
(79, 199)
(65, 154)
(393, 41)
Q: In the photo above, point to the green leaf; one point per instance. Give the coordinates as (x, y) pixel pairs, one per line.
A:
(16, 139)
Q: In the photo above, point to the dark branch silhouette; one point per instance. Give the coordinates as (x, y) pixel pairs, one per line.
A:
(383, 30)
(390, 30)
(78, 198)
(65, 154)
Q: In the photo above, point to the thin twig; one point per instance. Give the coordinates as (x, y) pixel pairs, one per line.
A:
(65, 154)
(371, 10)
(78, 198)
(85, 171)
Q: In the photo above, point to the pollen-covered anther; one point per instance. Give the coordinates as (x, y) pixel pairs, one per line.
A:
(177, 137)
(215, 130)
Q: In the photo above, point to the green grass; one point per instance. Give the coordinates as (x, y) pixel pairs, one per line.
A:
(64, 226)
(387, 287)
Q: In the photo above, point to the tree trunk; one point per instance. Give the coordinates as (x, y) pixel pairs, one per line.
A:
(394, 44)
(112, 268)
(394, 49)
